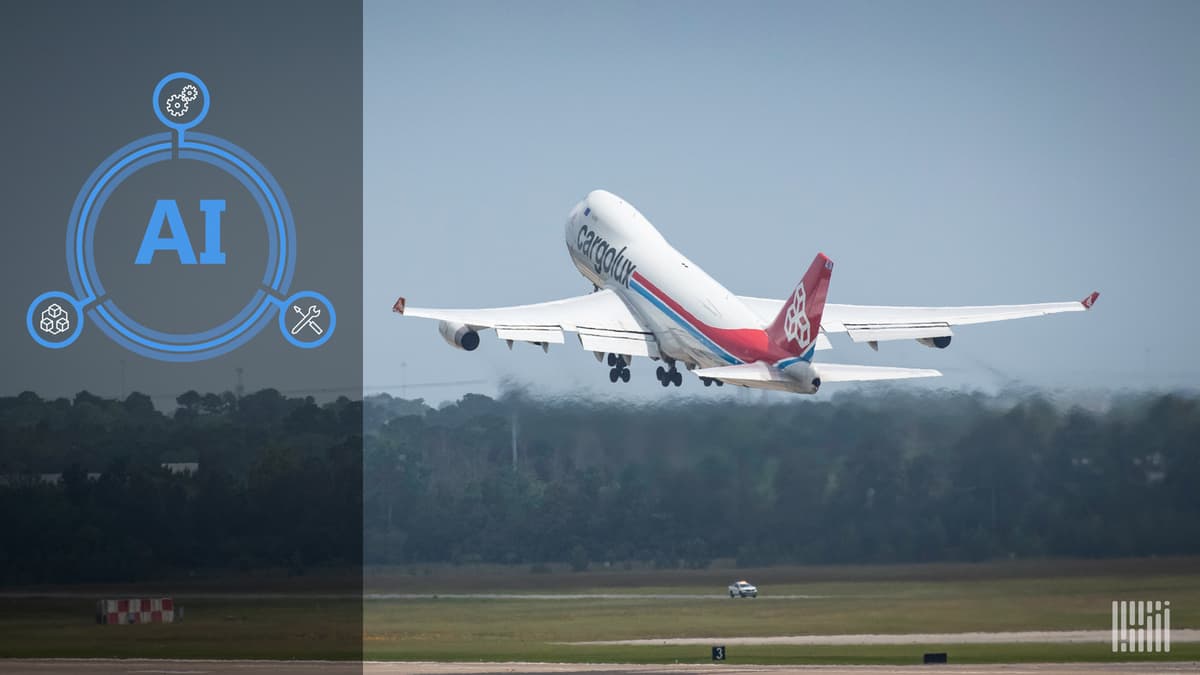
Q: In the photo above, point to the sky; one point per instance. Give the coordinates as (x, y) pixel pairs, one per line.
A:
(941, 153)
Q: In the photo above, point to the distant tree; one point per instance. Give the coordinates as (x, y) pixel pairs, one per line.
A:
(189, 404)
(139, 405)
(293, 483)
(579, 558)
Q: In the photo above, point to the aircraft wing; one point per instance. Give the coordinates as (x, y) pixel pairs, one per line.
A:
(872, 323)
(603, 322)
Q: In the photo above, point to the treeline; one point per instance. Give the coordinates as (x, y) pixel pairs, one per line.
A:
(889, 477)
(288, 483)
(84, 495)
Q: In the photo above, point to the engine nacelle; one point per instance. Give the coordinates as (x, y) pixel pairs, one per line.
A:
(458, 335)
(935, 342)
(808, 380)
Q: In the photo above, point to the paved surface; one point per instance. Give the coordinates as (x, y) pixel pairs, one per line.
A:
(712, 669)
(1047, 636)
(173, 667)
(268, 595)
(595, 596)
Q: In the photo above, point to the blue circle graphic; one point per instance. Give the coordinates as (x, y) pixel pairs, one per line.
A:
(287, 331)
(280, 229)
(76, 329)
(158, 109)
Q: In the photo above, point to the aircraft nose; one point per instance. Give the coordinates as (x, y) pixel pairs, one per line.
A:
(601, 198)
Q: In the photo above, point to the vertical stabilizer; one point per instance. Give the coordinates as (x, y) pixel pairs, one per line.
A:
(796, 327)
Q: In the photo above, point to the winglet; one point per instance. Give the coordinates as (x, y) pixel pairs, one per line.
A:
(1086, 302)
(399, 306)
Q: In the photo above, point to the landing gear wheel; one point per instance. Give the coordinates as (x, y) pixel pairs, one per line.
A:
(613, 375)
(624, 374)
(720, 383)
(707, 381)
(668, 376)
(612, 360)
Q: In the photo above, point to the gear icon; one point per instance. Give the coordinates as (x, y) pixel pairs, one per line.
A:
(177, 105)
(189, 92)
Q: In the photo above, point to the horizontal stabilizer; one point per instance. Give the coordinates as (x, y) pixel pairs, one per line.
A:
(760, 375)
(841, 372)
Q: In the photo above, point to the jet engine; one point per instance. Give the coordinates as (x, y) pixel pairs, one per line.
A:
(458, 335)
(935, 342)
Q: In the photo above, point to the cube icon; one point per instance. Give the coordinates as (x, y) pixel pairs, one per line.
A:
(54, 320)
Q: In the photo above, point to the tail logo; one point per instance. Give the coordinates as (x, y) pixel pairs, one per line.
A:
(795, 322)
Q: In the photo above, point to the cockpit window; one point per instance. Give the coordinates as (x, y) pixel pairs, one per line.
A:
(587, 211)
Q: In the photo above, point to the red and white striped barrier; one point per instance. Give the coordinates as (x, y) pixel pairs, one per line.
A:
(135, 610)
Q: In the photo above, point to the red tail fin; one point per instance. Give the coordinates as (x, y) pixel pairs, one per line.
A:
(796, 327)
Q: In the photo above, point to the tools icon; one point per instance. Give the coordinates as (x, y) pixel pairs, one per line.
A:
(307, 328)
(307, 320)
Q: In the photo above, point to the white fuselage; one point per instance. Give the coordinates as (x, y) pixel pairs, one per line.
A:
(694, 318)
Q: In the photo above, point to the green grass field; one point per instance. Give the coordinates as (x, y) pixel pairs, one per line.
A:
(901, 599)
(516, 629)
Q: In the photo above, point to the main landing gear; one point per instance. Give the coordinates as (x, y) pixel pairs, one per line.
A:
(667, 377)
(620, 370)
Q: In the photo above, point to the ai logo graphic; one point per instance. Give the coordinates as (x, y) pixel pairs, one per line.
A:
(305, 319)
(166, 211)
(1141, 626)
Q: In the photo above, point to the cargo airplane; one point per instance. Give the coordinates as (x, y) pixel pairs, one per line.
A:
(650, 300)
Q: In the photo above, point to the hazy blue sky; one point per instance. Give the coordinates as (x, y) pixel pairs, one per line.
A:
(941, 153)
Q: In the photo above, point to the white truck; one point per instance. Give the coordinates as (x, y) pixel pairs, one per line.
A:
(743, 589)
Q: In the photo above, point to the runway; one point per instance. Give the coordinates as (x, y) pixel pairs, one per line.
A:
(1009, 637)
(594, 596)
(208, 667)
(210, 595)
